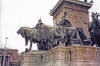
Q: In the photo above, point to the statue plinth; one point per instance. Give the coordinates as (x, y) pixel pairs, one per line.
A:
(63, 56)
(85, 56)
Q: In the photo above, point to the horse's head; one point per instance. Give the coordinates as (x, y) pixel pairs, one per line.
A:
(94, 16)
(95, 20)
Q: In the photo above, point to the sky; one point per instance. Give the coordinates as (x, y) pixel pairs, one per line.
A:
(18, 13)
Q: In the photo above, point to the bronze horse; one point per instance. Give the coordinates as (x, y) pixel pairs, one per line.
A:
(94, 29)
(47, 37)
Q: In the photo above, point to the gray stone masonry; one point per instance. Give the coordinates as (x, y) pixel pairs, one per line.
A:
(63, 56)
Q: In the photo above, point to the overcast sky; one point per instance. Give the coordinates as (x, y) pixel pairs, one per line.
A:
(18, 13)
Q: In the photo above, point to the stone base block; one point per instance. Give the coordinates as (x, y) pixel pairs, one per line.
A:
(63, 56)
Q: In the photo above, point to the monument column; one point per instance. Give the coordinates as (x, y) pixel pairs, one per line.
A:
(77, 13)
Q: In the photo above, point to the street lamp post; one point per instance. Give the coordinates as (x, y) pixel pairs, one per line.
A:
(4, 59)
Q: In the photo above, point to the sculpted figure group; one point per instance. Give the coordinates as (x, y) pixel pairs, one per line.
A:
(47, 37)
(94, 29)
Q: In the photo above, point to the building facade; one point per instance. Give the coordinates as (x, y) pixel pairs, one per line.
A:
(9, 57)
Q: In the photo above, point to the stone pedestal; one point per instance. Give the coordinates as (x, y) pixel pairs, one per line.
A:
(77, 13)
(63, 56)
(85, 56)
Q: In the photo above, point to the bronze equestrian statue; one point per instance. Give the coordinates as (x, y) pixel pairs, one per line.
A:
(47, 37)
(94, 30)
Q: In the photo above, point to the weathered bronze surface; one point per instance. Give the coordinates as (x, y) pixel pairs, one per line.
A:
(48, 37)
(94, 29)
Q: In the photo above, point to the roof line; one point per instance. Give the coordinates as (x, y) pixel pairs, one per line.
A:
(58, 3)
(73, 1)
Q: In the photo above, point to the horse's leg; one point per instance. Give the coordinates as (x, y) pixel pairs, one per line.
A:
(30, 46)
(93, 40)
(26, 41)
(98, 43)
(92, 44)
